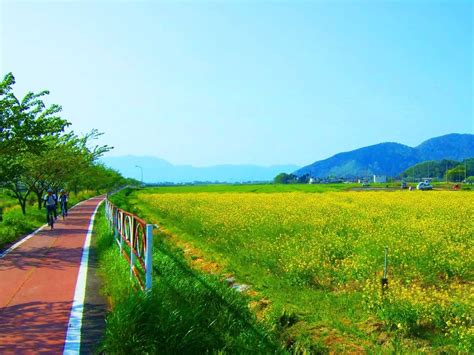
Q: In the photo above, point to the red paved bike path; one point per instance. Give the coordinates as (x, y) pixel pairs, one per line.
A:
(37, 285)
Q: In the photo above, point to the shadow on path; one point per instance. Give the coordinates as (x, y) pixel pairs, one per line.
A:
(32, 326)
(55, 258)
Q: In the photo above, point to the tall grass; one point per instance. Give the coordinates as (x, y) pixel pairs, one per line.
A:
(186, 311)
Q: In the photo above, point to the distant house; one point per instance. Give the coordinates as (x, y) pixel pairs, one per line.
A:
(312, 181)
(380, 178)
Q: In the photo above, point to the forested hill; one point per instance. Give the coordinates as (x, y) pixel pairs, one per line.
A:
(391, 158)
(456, 170)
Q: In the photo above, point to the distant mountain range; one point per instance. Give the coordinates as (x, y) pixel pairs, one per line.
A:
(391, 159)
(157, 170)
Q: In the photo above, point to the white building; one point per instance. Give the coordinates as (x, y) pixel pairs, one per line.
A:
(380, 178)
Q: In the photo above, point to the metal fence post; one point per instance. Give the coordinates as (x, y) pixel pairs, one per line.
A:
(118, 230)
(120, 241)
(132, 254)
(126, 228)
(148, 256)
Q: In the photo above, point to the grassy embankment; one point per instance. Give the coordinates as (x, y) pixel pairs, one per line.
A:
(187, 311)
(14, 224)
(314, 261)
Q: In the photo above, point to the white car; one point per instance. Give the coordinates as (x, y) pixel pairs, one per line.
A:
(424, 186)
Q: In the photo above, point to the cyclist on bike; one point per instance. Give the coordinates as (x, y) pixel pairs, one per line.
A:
(50, 201)
(63, 202)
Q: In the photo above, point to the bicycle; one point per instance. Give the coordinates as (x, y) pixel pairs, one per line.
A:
(63, 209)
(50, 217)
(63, 203)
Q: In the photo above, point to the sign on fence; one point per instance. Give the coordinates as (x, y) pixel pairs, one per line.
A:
(135, 240)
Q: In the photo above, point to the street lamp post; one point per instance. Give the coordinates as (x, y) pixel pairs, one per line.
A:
(141, 170)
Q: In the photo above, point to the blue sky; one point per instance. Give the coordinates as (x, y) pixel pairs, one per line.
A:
(255, 82)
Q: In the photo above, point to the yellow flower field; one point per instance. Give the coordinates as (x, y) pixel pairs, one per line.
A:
(313, 245)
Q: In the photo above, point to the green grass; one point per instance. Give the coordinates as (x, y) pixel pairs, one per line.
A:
(186, 312)
(6, 200)
(15, 224)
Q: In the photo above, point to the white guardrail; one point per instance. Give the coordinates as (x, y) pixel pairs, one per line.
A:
(135, 239)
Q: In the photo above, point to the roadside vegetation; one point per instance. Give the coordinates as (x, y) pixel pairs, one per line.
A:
(311, 265)
(187, 311)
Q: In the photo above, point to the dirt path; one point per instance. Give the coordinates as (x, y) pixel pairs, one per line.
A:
(38, 286)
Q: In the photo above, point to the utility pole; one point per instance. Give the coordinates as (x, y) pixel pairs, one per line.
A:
(141, 169)
(446, 172)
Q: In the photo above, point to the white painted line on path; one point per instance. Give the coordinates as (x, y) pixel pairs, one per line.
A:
(72, 344)
(20, 242)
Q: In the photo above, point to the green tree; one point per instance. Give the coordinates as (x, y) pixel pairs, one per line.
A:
(285, 178)
(456, 174)
(303, 179)
(24, 125)
(433, 169)
(63, 160)
(36, 153)
(101, 178)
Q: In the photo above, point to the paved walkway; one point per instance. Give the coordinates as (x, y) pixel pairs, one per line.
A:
(38, 283)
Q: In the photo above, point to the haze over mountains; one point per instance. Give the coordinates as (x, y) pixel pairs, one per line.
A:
(390, 159)
(157, 170)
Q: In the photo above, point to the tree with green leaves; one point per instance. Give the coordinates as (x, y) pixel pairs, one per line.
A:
(285, 178)
(100, 178)
(304, 179)
(24, 127)
(429, 169)
(456, 174)
(36, 153)
(461, 171)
